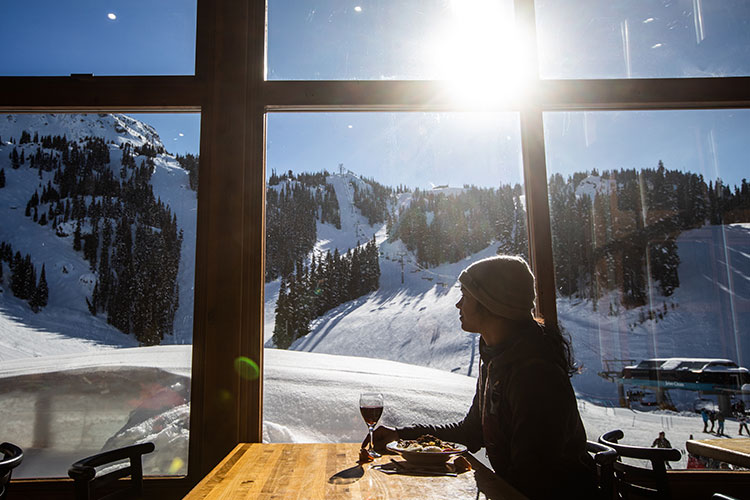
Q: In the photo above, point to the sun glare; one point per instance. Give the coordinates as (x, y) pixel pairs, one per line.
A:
(478, 52)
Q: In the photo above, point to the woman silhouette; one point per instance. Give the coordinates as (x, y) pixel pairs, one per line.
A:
(524, 411)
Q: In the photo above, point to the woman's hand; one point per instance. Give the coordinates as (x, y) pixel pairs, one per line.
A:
(381, 437)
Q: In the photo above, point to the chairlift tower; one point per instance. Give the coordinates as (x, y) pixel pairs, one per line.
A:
(613, 372)
(401, 260)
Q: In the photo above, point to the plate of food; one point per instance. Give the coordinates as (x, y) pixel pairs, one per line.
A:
(425, 450)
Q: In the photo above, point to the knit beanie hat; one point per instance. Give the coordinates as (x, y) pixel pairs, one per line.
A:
(503, 284)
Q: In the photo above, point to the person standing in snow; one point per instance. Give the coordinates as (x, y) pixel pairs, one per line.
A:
(661, 441)
(524, 412)
(742, 419)
(720, 429)
(712, 418)
(704, 416)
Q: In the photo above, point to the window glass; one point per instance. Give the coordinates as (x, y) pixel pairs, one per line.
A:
(370, 217)
(97, 265)
(650, 216)
(404, 39)
(118, 37)
(643, 38)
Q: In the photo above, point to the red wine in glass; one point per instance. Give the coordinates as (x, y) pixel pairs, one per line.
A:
(371, 408)
(371, 414)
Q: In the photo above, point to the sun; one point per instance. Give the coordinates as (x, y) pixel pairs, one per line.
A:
(478, 53)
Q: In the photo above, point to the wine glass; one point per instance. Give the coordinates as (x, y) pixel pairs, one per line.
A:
(371, 407)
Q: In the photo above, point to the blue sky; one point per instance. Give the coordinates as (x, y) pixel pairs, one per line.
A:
(406, 39)
(54, 38)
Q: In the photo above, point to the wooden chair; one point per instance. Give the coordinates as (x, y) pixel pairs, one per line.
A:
(604, 458)
(87, 483)
(12, 457)
(639, 482)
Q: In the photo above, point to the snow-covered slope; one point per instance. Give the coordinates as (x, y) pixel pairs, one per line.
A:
(66, 325)
(116, 128)
(416, 321)
(122, 396)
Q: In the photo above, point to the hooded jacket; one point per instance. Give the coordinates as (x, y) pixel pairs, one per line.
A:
(526, 416)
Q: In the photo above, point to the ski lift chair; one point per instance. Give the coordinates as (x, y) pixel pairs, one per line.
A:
(632, 481)
(87, 483)
(12, 457)
(604, 458)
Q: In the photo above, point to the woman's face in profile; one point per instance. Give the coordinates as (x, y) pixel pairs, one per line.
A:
(470, 312)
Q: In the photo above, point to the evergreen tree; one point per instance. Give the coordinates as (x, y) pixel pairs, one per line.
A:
(41, 293)
(105, 274)
(77, 237)
(281, 331)
(14, 159)
(17, 276)
(30, 278)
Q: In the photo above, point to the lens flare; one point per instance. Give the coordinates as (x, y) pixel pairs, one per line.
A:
(246, 367)
(111, 16)
(225, 396)
(176, 465)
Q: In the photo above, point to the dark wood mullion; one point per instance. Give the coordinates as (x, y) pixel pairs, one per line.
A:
(646, 94)
(537, 210)
(205, 46)
(548, 95)
(221, 226)
(535, 176)
(253, 271)
(185, 93)
(101, 93)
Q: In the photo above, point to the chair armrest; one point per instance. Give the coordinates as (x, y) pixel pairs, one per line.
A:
(603, 454)
(86, 468)
(654, 454)
(14, 454)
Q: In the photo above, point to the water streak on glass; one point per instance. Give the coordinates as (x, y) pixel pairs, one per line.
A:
(657, 39)
(698, 16)
(404, 39)
(651, 240)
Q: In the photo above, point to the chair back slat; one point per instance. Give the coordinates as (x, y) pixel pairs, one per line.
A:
(111, 477)
(604, 459)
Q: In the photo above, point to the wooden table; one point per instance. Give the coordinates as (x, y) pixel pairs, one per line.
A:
(735, 451)
(331, 471)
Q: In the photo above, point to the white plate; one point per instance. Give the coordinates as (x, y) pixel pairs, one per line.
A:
(426, 457)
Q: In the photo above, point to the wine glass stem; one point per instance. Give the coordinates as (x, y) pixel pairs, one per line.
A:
(372, 446)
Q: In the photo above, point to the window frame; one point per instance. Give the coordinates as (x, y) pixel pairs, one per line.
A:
(230, 91)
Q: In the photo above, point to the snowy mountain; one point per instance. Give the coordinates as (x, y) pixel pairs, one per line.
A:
(406, 327)
(411, 316)
(66, 324)
(114, 128)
